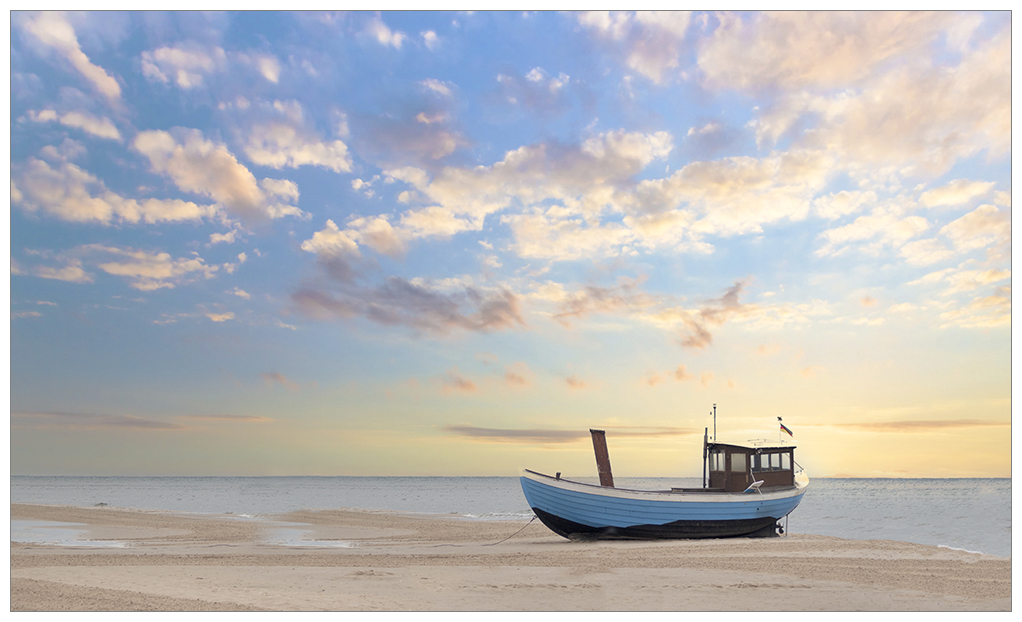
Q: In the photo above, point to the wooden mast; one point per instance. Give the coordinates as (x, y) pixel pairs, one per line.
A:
(602, 457)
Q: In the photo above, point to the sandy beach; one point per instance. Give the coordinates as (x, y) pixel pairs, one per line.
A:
(353, 560)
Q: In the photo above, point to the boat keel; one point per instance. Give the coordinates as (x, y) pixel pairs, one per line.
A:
(682, 529)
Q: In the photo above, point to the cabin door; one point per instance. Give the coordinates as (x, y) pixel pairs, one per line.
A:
(737, 473)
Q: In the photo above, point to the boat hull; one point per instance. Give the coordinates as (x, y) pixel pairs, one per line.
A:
(578, 510)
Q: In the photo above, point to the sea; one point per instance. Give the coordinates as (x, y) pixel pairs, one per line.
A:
(963, 514)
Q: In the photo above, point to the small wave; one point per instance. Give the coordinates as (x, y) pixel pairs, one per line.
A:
(955, 548)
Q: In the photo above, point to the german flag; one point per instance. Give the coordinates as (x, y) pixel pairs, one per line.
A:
(784, 428)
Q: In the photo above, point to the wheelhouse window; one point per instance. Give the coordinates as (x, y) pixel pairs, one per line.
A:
(717, 460)
(771, 461)
(737, 463)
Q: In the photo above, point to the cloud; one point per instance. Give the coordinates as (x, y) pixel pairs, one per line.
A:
(714, 312)
(544, 435)
(384, 35)
(73, 194)
(649, 41)
(331, 241)
(276, 378)
(593, 299)
(190, 65)
(430, 39)
(186, 65)
(220, 317)
(421, 139)
(872, 232)
(88, 421)
(420, 306)
(920, 426)
(963, 279)
(101, 127)
(578, 180)
(575, 382)
(681, 374)
(801, 49)
(537, 91)
(984, 227)
(71, 271)
(281, 139)
(147, 271)
(516, 436)
(203, 167)
(919, 118)
(227, 418)
(454, 381)
(991, 311)
(377, 233)
(53, 30)
(21, 314)
(838, 204)
(437, 86)
(957, 192)
(518, 375)
(736, 195)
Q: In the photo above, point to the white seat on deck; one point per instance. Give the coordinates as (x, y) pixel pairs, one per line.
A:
(755, 486)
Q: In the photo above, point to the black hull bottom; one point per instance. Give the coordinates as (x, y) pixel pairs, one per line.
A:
(682, 529)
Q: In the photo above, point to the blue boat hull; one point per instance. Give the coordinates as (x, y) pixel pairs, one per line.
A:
(573, 509)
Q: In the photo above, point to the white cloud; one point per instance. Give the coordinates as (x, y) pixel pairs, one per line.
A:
(437, 86)
(285, 145)
(838, 204)
(650, 41)
(537, 236)
(53, 30)
(797, 49)
(101, 127)
(430, 39)
(986, 312)
(384, 35)
(873, 232)
(186, 65)
(72, 194)
(189, 64)
(229, 237)
(203, 167)
(377, 233)
(957, 192)
(919, 119)
(331, 241)
(148, 271)
(71, 271)
(925, 252)
(984, 227)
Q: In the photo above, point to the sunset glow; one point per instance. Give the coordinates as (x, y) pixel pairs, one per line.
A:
(445, 243)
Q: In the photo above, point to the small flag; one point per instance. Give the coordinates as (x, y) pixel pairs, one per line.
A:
(784, 428)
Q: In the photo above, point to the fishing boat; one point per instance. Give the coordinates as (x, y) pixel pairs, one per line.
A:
(747, 489)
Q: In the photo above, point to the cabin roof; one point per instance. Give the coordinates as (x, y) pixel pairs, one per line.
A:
(753, 444)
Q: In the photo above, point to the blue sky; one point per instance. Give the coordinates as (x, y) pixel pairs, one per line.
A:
(447, 243)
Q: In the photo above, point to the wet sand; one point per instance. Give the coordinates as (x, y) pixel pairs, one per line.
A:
(353, 560)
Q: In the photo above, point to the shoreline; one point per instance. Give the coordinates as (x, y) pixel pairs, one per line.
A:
(360, 560)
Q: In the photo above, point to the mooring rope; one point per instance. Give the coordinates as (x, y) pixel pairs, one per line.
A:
(514, 534)
(490, 543)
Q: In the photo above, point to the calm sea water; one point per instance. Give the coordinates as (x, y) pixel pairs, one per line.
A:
(968, 514)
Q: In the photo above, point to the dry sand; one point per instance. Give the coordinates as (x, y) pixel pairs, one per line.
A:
(377, 561)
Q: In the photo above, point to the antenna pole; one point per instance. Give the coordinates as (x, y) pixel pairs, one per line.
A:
(715, 423)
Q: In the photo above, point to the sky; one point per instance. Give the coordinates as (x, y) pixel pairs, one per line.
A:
(450, 243)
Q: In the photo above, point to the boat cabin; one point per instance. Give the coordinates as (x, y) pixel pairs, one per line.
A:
(733, 468)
